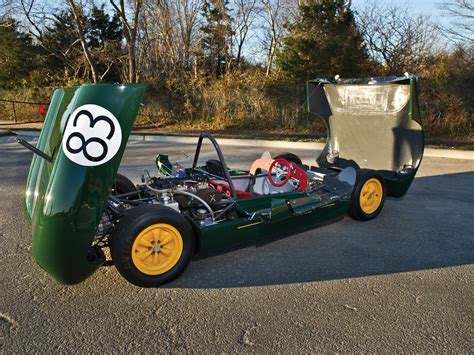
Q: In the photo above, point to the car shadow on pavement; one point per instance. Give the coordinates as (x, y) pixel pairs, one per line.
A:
(431, 227)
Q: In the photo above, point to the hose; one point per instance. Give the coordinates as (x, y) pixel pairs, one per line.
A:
(186, 193)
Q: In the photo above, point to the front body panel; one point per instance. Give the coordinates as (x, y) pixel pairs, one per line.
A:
(65, 199)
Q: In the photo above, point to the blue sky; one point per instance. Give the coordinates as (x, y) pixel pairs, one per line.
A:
(425, 7)
(419, 6)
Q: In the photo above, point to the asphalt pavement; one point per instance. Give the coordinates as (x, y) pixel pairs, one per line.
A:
(402, 282)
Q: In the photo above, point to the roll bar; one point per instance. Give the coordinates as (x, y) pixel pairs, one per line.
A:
(221, 158)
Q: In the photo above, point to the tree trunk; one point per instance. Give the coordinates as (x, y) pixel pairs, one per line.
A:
(132, 63)
(130, 30)
(87, 54)
(271, 52)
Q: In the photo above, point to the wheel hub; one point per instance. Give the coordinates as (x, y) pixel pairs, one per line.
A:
(157, 249)
(371, 196)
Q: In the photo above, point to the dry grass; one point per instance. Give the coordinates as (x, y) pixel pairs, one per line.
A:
(256, 106)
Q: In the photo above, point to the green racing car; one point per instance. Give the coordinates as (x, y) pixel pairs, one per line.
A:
(78, 205)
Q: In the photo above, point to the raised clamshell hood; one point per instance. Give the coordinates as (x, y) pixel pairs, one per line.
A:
(85, 132)
(372, 123)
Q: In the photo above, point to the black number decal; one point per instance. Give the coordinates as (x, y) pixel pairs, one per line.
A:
(93, 121)
(83, 147)
(84, 142)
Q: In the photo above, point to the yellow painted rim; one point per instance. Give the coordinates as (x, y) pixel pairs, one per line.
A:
(157, 249)
(371, 195)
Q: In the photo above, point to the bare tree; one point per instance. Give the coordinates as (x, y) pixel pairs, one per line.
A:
(157, 37)
(170, 36)
(272, 9)
(187, 14)
(35, 17)
(78, 15)
(292, 10)
(246, 11)
(462, 26)
(80, 60)
(397, 39)
(130, 31)
(276, 14)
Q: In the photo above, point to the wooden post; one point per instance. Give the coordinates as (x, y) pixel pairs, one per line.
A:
(14, 111)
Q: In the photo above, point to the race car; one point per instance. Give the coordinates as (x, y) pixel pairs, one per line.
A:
(79, 206)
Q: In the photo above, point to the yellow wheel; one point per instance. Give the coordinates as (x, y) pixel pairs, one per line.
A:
(151, 245)
(371, 195)
(157, 249)
(368, 196)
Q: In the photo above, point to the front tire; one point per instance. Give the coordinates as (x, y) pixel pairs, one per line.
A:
(368, 196)
(152, 245)
(122, 185)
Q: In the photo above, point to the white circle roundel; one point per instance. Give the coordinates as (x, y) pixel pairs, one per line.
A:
(92, 136)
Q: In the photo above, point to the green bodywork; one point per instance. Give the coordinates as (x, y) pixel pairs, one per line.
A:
(269, 217)
(64, 201)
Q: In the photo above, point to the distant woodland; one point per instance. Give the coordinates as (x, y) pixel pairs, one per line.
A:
(238, 64)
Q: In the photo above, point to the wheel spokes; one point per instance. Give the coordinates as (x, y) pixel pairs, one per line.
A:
(145, 256)
(154, 258)
(142, 251)
(145, 243)
(165, 252)
(156, 234)
(166, 238)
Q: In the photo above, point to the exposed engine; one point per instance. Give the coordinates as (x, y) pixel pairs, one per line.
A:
(181, 193)
(195, 197)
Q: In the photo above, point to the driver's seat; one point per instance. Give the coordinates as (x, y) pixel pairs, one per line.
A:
(246, 185)
(262, 186)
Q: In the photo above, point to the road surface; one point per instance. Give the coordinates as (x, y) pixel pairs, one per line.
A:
(402, 282)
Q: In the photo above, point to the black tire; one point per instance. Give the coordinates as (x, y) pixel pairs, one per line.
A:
(129, 228)
(357, 211)
(122, 185)
(293, 158)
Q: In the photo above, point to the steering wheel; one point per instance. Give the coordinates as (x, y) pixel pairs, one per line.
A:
(284, 164)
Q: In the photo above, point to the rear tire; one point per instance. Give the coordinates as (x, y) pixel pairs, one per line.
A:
(152, 245)
(368, 196)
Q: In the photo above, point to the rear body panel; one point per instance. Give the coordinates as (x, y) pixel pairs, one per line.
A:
(65, 198)
(373, 124)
